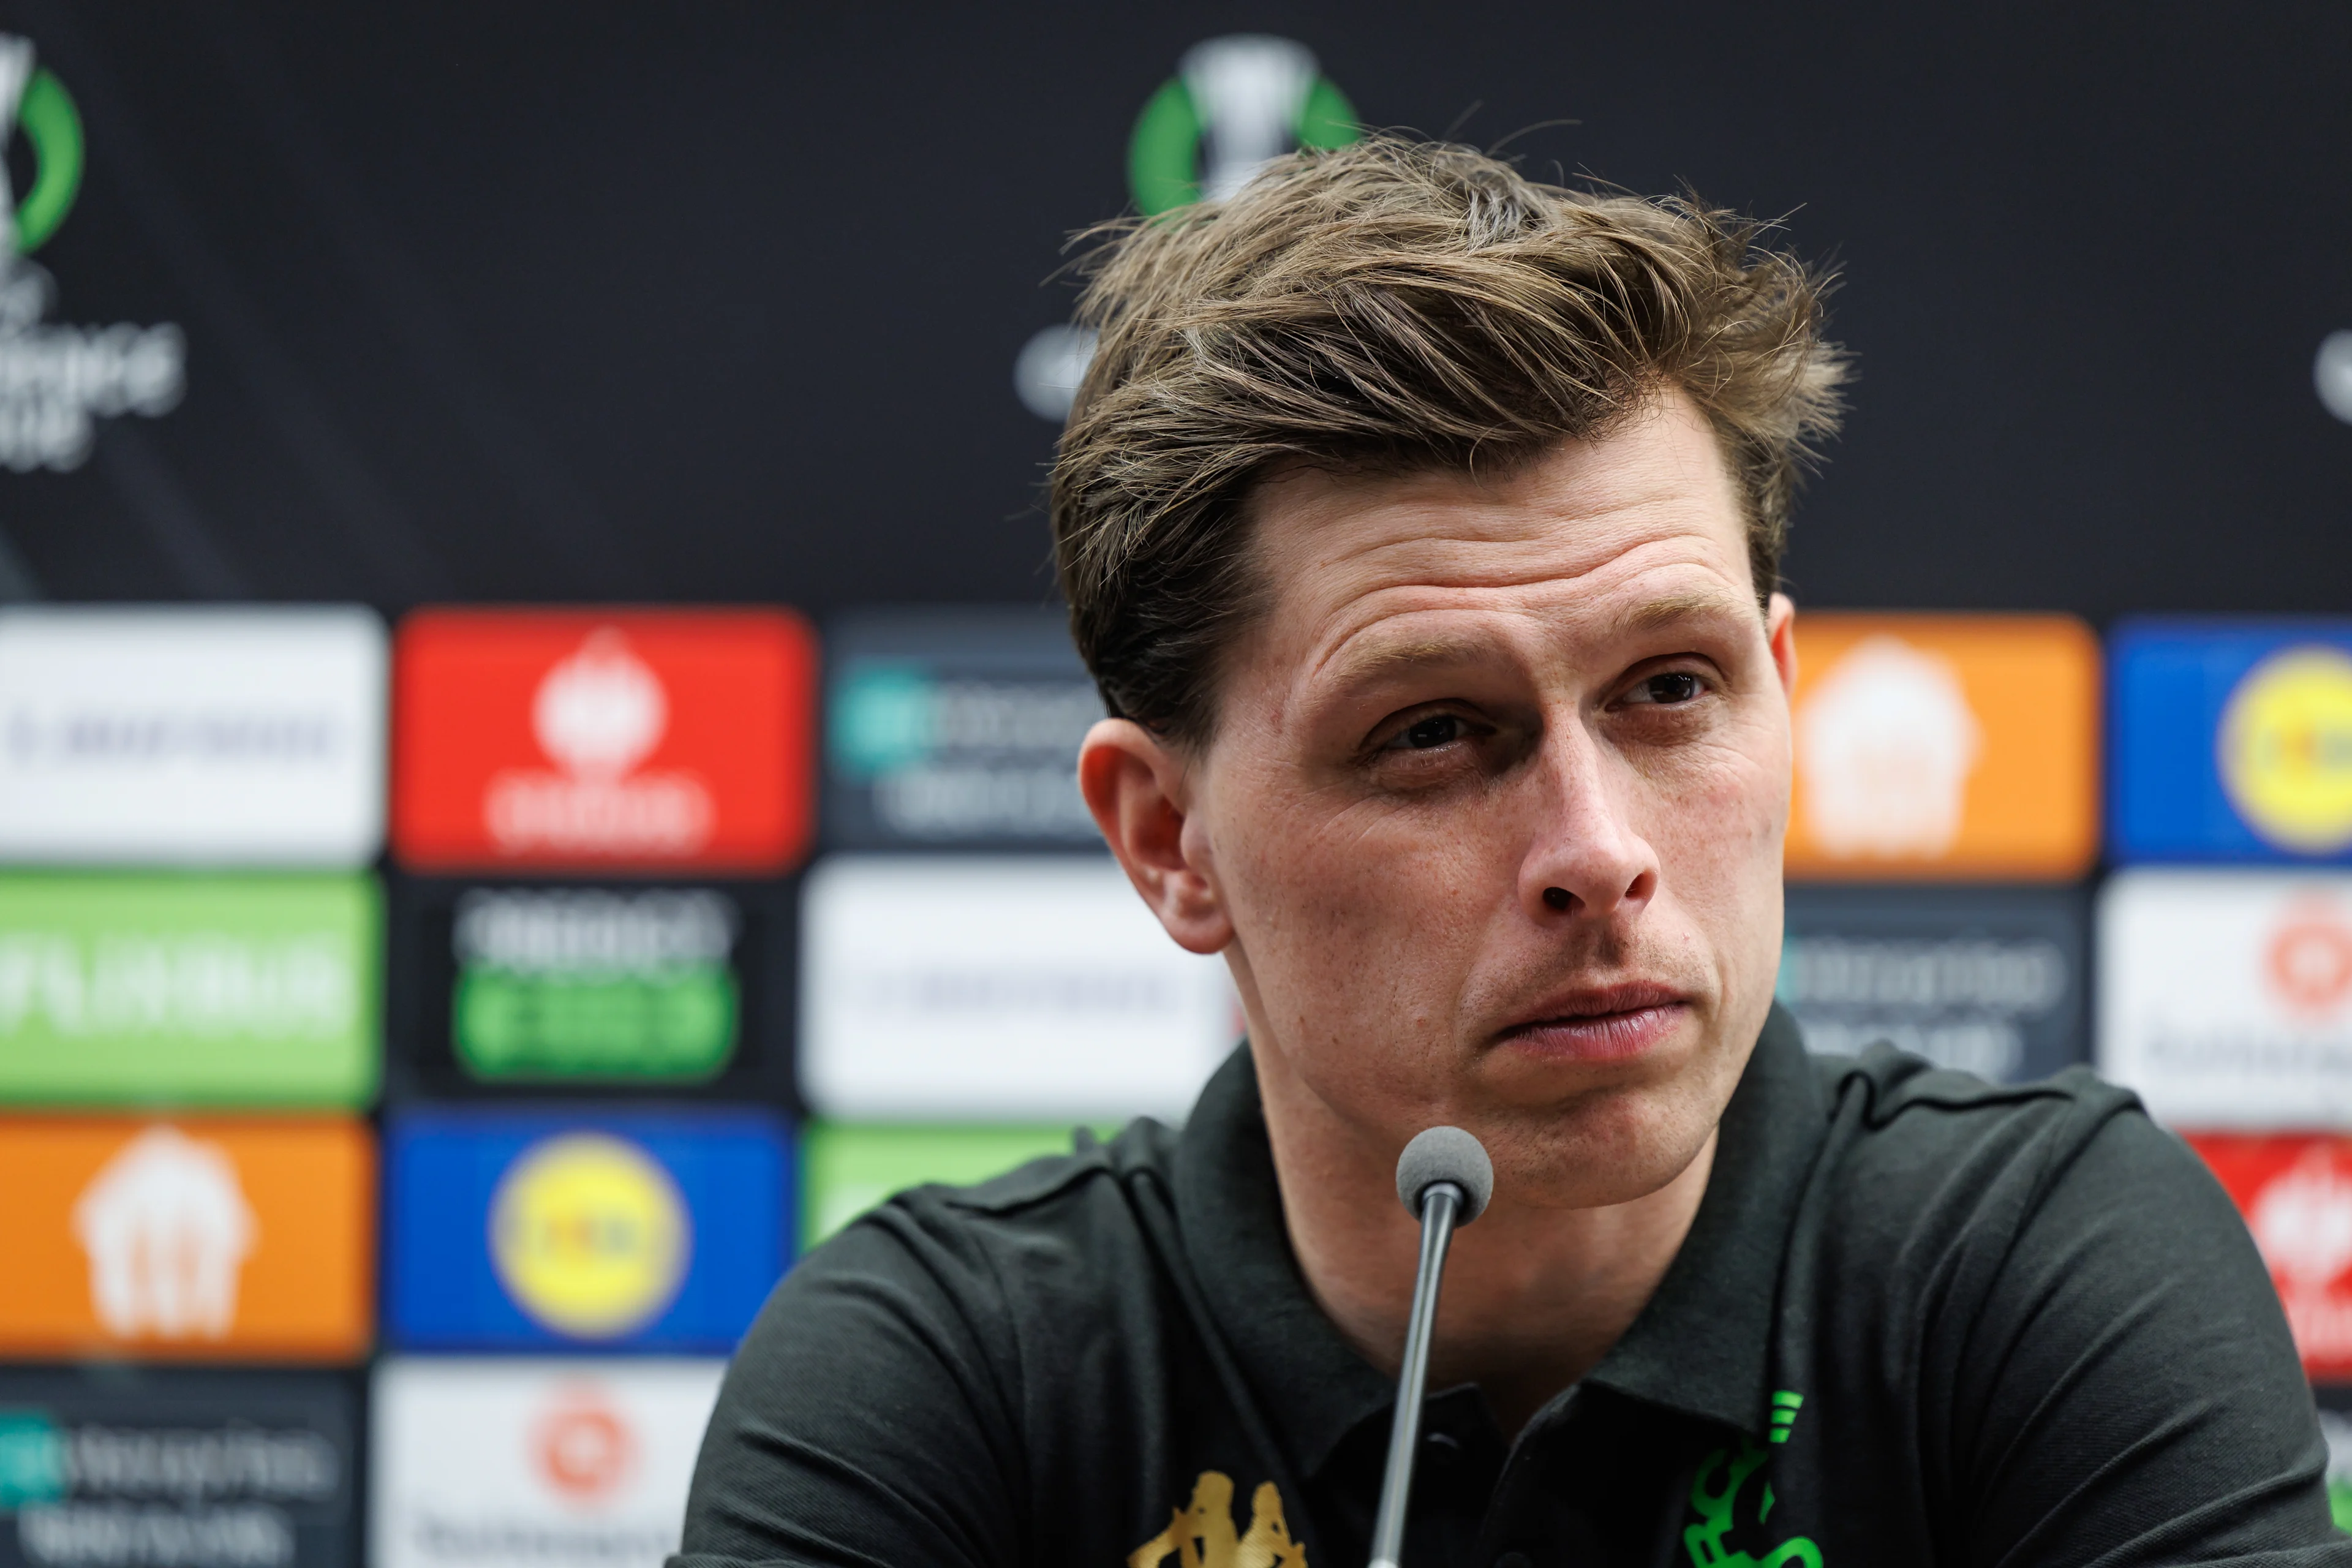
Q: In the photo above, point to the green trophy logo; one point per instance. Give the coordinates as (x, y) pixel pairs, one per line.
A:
(34, 103)
(56, 381)
(1234, 103)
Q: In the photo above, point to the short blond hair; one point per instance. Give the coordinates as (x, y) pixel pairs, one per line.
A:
(1395, 306)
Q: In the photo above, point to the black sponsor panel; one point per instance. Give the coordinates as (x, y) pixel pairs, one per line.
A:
(1989, 980)
(956, 729)
(512, 987)
(126, 1468)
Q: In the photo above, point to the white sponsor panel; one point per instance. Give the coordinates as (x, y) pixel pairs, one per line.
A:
(2225, 997)
(483, 1463)
(1001, 987)
(192, 736)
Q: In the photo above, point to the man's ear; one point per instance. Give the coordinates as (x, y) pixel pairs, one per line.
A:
(1135, 784)
(1780, 631)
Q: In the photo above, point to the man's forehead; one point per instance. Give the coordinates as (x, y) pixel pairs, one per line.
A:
(1330, 537)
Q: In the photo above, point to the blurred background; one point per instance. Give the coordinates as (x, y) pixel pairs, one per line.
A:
(535, 739)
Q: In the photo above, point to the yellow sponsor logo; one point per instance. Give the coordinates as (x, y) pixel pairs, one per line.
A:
(2286, 750)
(588, 1235)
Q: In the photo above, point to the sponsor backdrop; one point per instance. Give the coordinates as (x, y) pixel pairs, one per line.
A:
(536, 752)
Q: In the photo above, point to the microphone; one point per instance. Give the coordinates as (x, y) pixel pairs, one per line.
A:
(1444, 1178)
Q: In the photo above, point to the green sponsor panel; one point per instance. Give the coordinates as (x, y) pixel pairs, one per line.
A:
(846, 1168)
(257, 991)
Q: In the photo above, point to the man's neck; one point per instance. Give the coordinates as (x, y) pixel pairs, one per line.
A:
(1533, 1298)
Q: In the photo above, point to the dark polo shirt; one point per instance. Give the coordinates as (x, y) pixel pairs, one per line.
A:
(1919, 1320)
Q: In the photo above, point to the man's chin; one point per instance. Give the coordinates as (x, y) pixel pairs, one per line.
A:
(1613, 1147)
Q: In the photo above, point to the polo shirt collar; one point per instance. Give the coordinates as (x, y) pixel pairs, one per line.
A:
(1700, 1346)
(1703, 1345)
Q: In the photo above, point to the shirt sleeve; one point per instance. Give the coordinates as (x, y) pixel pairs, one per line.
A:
(863, 1422)
(2130, 1393)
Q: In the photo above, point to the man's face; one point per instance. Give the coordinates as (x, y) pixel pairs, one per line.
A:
(1495, 805)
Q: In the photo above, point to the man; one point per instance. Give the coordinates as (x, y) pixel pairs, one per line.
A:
(1420, 526)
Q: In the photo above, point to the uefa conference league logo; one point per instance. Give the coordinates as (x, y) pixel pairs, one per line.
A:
(56, 381)
(1234, 103)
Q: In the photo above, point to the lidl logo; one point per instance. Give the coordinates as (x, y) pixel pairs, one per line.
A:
(594, 984)
(638, 1231)
(578, 740)
(588, 1235)
(2232, 742)
(1945, 746)
(2296, 1192)
(2287, 749)
(199, 1240)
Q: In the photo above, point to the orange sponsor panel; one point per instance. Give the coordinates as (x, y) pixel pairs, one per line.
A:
(203, 1238)
(1945, 747)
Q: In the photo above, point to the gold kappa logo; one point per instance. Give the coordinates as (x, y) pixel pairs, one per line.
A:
(1203, 1535)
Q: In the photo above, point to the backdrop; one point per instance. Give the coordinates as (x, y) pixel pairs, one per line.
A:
(590, 301)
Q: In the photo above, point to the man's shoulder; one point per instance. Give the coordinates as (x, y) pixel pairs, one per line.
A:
(1085, 1199)
(1911, 1145)
(1883, 1085)
(1029, 1192)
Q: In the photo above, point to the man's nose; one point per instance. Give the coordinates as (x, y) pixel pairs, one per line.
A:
(1585, 858)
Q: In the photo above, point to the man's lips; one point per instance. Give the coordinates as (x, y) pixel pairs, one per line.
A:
(1605, 1022)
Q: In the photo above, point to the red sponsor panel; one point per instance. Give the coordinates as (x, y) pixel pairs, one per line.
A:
(600, 739)
(2296, 1191)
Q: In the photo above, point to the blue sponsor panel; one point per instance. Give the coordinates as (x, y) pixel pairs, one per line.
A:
(956, 729)
(655, 1231)
(1986, 979)
(2231, 741)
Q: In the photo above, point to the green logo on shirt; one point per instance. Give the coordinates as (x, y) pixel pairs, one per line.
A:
(1731, 1519)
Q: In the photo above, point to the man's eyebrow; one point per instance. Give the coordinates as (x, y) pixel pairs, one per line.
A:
(1389, 658)
(1695, 603)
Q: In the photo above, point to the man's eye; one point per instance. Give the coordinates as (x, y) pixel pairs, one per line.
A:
(1437, 730)
(1674, 686)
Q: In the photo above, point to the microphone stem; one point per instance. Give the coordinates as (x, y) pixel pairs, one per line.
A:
(1438, 1207)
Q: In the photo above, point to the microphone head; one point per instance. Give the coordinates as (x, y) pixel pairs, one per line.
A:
(1447, 1154)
